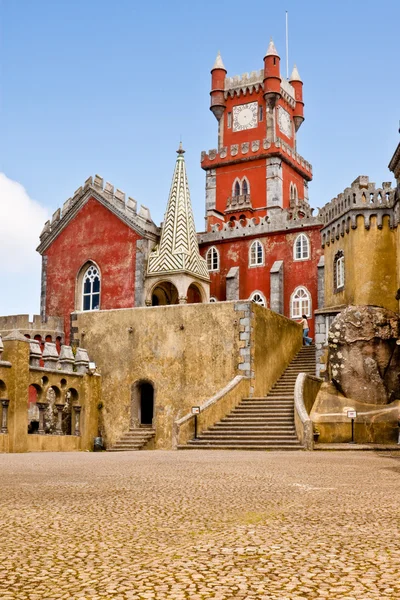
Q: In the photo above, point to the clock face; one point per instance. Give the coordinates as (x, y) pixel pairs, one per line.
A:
(285, 122)
(245, 116)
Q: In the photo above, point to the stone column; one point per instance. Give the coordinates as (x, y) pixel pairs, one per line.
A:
(4, 418)
(182, 299)
(77, 410)
(42, 407)
(232, 284)
(276, 286)
(59, 408)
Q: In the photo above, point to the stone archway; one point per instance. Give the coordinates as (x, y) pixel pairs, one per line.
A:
(142, 404)
(164, 293)
(194, 295)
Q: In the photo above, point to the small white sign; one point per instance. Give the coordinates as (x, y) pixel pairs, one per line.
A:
(352, 414)
(195, 410)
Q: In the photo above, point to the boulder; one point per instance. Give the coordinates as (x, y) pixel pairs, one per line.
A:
(364, 355)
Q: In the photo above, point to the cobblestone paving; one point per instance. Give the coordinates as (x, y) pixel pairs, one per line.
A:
(198, 524)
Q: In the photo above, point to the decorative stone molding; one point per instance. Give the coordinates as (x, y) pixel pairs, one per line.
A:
(4, 416)
(81, 360)
(67, 359)
(116, 202)
(35, 353)
(50, 356)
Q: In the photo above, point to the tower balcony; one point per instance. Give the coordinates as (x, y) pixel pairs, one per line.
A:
(240, 202)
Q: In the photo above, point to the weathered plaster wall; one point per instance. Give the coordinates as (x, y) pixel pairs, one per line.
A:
(277, 247)
(370, 266)
(276, 340)
(188, 352)
(17, 379)
(98, 235)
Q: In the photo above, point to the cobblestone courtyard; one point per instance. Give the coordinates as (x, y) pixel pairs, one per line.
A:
(227, 525)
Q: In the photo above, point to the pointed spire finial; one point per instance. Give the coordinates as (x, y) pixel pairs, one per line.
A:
(218, 62)
(272, 51)
(295, 76)
(180, 151)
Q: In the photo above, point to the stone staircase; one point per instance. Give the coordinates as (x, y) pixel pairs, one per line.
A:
(134, 439)
(261, 423)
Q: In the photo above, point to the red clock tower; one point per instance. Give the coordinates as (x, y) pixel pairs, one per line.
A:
(257, 190)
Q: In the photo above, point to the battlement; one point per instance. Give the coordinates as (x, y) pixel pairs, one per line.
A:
(125, 208)
(53, 326)
(247, 82)
(364, 199)
(361, 194)
(253, 150)
(278, 220)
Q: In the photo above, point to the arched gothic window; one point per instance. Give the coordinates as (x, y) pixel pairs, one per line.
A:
(245, 186)
(293, 193)
(301, 248)
(256, 254)
(300, 303)
(212, 258)
(338, 272)
(91, 289)
(236, 189)
(258, 298)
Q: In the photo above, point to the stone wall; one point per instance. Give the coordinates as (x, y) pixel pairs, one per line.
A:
(187, 352)
(52, 326)
(20, 372)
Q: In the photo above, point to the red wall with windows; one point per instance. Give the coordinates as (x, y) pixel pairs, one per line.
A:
(94, 234)
(277, 246)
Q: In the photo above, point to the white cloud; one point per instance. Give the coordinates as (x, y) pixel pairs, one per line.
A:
(21, 221)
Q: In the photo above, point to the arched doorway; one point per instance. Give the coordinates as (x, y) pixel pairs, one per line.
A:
(142, 404)
(146, 404)
(164, 293)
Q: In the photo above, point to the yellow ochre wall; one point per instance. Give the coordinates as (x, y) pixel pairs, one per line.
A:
(371, 271)
(18, 378)
(188, 352)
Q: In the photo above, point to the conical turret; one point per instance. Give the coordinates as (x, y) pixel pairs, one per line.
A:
(272, 76)
(218, 73)
(297, 84)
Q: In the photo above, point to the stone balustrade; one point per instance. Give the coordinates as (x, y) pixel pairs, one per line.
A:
(65, 361)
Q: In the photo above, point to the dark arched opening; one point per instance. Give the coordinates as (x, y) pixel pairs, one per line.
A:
(164, 293)
(146, 404)
(193, 294)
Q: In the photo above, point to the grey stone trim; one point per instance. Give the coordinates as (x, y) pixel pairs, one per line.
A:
(321, 281)
(302, 420)
(211, 187)
(245, 366)
(43, 289)
(274, 182)
(232, 285)
(140, 273)
(277, 289)
(140, 221)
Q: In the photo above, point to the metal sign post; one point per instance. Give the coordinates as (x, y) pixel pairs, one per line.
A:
(352, 414)
(195, 412)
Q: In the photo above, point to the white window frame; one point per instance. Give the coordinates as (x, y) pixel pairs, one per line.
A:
(254, 260)
(293, 192)
(303, 255)
(237, 180)
(261, 301)
(340, 273)
(300, 310)
(212, 256)
(244, 179)
(91, 276)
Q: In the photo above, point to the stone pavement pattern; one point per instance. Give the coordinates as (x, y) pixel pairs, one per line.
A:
(199, 524)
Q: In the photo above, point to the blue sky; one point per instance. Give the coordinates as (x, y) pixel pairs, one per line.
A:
(94, 86)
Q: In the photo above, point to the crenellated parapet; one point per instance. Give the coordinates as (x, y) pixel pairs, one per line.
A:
(114, 199)
(249, 82)
(255, 150)
(51, 327)
(282, 220)
(65, 361)
(363, 199)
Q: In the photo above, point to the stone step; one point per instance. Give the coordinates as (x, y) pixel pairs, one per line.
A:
(134, 439)
(222, 437)
(249, 447)
(260, 444)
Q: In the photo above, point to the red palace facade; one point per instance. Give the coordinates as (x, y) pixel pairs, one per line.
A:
(261, 240)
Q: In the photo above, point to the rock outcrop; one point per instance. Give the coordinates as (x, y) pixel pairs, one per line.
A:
(364, 355)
